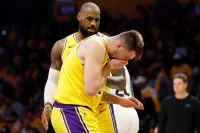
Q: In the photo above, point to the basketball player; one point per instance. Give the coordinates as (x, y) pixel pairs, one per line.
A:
(127, 122)
(82, 82)
(88, 11)
(89, 18)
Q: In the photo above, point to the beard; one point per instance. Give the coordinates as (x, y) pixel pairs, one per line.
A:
(86, 33)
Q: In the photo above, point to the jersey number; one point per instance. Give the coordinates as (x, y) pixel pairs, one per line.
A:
(122, 95)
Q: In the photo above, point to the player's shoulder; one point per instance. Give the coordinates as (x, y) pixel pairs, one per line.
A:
(93, 42)
(60, 43)
(93, 45)
(98, 38)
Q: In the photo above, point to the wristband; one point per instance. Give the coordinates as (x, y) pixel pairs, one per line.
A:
(48, 104)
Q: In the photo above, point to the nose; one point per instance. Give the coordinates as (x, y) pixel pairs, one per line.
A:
(93, 23)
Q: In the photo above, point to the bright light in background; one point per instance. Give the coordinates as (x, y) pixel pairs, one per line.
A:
(3, 32)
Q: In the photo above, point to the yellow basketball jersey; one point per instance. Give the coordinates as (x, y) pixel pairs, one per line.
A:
(70, 42)
(71, 88)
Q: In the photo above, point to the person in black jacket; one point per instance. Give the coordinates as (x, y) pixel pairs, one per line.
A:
(180, 113)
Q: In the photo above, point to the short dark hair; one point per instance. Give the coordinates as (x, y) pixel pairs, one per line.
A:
(134, 41)
(181, 76)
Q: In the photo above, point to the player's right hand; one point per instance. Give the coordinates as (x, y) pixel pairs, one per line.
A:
(116, 63)
(131, 103)
(46, 115)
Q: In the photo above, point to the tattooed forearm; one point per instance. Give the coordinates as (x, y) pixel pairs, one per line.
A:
(110, 98)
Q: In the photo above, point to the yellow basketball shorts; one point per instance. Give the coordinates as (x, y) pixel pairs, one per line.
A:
(106, 118)
(73, 119)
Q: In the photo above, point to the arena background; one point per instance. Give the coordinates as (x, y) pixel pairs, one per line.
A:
(29, 28)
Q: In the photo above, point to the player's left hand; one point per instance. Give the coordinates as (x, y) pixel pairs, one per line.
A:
(131, 103)
(45, 118)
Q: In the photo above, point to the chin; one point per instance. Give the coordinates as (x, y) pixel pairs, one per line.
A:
(111, 57)
(92, 33)
(177, 91)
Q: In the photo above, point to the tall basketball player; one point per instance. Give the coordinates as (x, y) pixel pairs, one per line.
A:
(128, 122)
(89, 19)
(89, 13)
(82, 80)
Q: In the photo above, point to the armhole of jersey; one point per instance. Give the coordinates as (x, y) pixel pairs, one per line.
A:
(65, 44)
(104, 58)
(75, 38)
(104, 43)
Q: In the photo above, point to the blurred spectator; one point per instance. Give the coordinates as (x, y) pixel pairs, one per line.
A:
(180, 66)
(147, 91)
(163, 85)
(148, 122)
(16, 128)
(181, 112)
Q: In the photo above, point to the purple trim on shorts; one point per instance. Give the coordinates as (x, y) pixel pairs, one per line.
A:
(113, 118)
(66, 125)
(72, 116)
(60, 105)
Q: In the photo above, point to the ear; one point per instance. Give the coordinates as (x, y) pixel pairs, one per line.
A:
(79, 16)
(119, 44)
(186, 85)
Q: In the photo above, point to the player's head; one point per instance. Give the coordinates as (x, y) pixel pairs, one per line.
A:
(180, 83)
(89, 19)
(127, 45)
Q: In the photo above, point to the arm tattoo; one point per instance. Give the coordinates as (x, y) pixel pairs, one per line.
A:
(56, 53)
(110, 98)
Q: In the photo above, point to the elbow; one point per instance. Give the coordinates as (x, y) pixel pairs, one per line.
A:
(91, 91)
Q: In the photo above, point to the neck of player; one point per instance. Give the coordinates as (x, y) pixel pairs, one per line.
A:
(182, 95)
(79, 36)
(108, 41)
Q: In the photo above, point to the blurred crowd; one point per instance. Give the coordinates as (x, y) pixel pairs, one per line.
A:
(172, 40)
